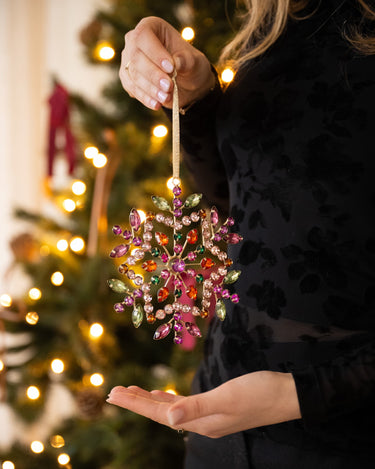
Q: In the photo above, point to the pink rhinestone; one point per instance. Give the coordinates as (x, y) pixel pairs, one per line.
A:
(177, 283)
(192, 256)
(177, 191)
(159, 217)
(160, 314)
(168, 309)
(168, 221)
(222, 256)
(138, 293)
(218, 289)
(209, 244)
(178, 225)
(195, 310)
(131, 260)
(146, 246)
(230, 221)
(207, 293)
(177, 339)
(191, 272)
(164, 274)
(148, 308)
(217, 237)
(186, 221)
(164, 257)
(176, 306)
(117, 230)
(130, 274)
(215, 250)
(235, 298)
(178, 248)
(177, 316)
(146, 287)
(214, 276)
(207, 283)
(206, 303)
(186, 308)
(178, 326)
(222, 270)
(147, 298)
(224, 230)
(225, 294)
(147, 236)
(129, 301)
(138, 280)
(139, 254)
(137, 241)
(194, 216)
(177, 212)
(148, 226)
(127, 234)
(177, 202)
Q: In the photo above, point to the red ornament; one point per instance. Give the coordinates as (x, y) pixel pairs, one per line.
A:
(149, 266)
(192, 236)
(207, 263)
(161, 238)
(163, 294)
(192, 293)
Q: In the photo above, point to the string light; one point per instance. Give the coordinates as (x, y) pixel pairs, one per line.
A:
(78, 187)
(33, 393)
(57, 441)
(5, 300)
(99, 160)
(160, 131)
(96, 330)
(32, 318)
(62, 245)
(35, 294)
(227, 75)
(96, 379)
(142, 215)
(90, 152)
(8, 465)
(69, 205)
(2, 366)
(171, 391)
(37, 447)
(57, 366)
(63, 459)
(188, 33)
(77, 244)
(104, 51)
(57, 279)
(172, 182)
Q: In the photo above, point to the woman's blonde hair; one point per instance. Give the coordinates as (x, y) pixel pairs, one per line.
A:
(265, 20)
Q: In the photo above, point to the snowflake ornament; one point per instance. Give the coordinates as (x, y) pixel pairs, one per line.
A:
(183, 256)
(177, 252)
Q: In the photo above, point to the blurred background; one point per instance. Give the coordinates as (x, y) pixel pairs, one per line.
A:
(76, 155)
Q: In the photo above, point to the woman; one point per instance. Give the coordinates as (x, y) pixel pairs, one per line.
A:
(288, 378)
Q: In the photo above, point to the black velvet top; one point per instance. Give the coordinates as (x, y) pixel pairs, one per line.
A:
(295, 132)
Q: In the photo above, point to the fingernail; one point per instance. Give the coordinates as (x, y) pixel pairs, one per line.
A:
(167, 66)
(109, 400)
(162, 96)
(178, 63)
(153, 103)
(175, 416)
(164, 84)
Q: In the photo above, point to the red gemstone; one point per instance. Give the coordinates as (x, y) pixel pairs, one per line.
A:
(149, 266)
(163, 294)
(192, 236)
(161, 238)
(207, 263)
(162, 331)
(193, 329)
(192, 293)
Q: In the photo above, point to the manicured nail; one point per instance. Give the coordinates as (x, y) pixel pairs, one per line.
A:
(164, 84)
(153, 103)
(175, 416)
(167, 66)
(162, 96)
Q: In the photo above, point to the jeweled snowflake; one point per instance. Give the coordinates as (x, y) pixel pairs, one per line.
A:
(189, 260)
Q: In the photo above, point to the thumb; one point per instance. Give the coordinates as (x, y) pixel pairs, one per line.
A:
(190, 408)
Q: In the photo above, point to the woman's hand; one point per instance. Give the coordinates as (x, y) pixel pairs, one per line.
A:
(152, 51)
(249, 401)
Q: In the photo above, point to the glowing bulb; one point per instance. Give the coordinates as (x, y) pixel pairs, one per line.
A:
(2, 366)
(62, 245)
(171, 391)
(99, 160)
(227, 75)
(8, 465)
(173, 182)
(37, 447)
(57, 279)
(160, 131)
(69, 205)
(57, 441)
(77, 244)
(57, 366)
(33, 393)
(90, 152)
(96, 330)
(78, 187)
(5, 300)
(188, 33)
(35, 294)
(32, 318)
(63, 459)
(105, 51)
(96, 379)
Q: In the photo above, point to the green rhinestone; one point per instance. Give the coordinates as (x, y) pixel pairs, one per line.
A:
(155, 280)
(177, 292)
(155, 252)
(177, 236)
(200, 249)
(199, 278)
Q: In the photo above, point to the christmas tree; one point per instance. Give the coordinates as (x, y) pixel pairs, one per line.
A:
(74, 346)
